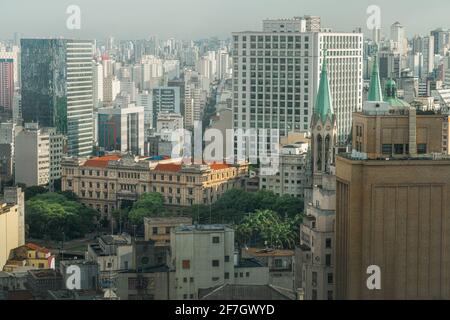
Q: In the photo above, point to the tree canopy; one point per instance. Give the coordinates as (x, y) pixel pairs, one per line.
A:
(266, 227)
(148, 205)
(233, 205)
(50, 215)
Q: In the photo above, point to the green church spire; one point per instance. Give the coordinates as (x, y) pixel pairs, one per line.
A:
(375, 92)
(324, 105)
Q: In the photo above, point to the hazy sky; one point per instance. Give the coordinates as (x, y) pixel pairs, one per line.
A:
(194, 19)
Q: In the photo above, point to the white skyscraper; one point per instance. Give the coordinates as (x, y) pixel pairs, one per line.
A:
(98, 84)
(276, 78)
(398, 37)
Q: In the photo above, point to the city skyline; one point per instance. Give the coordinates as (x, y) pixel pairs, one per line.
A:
(204, 19)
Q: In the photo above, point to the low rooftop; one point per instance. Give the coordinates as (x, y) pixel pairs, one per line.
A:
(256, 252)
(202, 228)
(45, 274)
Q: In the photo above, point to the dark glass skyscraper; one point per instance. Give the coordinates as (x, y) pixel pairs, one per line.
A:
(57, 89)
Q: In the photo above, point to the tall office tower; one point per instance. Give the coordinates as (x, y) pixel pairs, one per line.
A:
(129, 87)
(441, 40)
(376, 35)
(390, 64)
(38, 155)
(317, 230)
(165, 99)
(111, 88)
(178, 83)
(194, 98)
(223, 64)
(13, 54)
(391, 205)
(121, 128)
(57, 89)
(144, 99)
(7, 84)
(399, 39)
(17, 107)
(107, 67)
(428, 56)
(276, 78)
(98, 84)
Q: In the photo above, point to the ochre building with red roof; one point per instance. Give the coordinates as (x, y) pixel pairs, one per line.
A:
(104, 183)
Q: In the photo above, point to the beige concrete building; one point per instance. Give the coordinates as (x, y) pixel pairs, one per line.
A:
(279, 264)
(204, 257)
(38, 155)
(158, 229)
(12, 222)
(9, 230)
(104, 183)
(291, 179)
(392, 204)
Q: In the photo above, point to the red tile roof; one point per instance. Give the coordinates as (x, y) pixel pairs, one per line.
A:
(219, 166)
(100, 162)
(171, 167)
(36, 247)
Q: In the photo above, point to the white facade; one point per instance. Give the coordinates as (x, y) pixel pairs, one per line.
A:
(144, 99)
(168, 123)
(194, 98)
(131, 127)
(276, 78)
(291, 178)
(80, 103)
(203, 257)
(98, 84)
(38, 155)
(111, 88)
(165, 99)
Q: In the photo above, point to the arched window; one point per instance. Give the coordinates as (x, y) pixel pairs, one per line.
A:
(319, 153)
(327, 153)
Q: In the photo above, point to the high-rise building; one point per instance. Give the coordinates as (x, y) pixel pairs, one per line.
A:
(121, 128)
(144, 99)
(424, 47)
(57, 89)
(398, 37)
(7, 84)
(391, 205)
(194, 98)
(38, 154)
(98, 84)
(111, 88)
(165, 99)
(441, 40)
(276, 78)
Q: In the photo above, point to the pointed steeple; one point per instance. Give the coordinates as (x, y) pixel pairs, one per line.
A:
(375, 92)
(324, 104)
